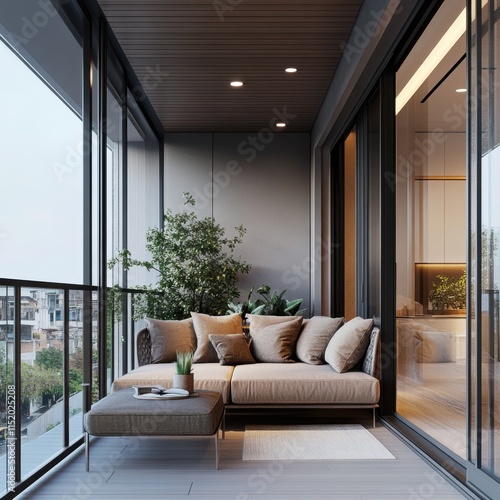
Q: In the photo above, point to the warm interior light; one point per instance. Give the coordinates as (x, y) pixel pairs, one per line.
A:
(291, 70)
(461, 90)
(455, 31)
(281, 124)
(236, 84)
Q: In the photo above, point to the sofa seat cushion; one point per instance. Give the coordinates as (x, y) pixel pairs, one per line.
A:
(301, 383)
(207, 376)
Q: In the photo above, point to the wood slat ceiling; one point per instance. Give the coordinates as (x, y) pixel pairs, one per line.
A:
(185, 53)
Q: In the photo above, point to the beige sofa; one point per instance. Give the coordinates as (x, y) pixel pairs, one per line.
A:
(293, 384)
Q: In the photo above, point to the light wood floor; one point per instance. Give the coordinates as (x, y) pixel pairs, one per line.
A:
(174, 468)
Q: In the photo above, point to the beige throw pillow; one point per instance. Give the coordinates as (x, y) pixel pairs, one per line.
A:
(314, 337)
(232, 349)
(168, 337)
(348, 345)
(204, 325)
(275, 343)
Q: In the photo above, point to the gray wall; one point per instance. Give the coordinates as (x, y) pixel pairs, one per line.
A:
(264, 186)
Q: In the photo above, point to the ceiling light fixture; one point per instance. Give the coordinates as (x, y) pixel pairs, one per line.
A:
(236, 83)
(291, 70)
(461, 90)
(452, 35)
(280, 124)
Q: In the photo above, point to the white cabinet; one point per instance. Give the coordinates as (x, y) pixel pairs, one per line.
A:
(455, 221)
(439, 220)
(429, 222)
(438, 154)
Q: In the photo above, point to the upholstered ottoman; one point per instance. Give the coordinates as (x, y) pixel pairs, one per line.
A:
(121, 414)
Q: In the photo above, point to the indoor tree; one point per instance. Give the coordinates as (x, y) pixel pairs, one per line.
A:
(195, 263)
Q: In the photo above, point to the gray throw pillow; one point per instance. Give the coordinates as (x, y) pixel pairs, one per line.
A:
(168, 337)
(348, 344)
(232, 349)
(275, 343)
(204, 325)
(314, 337)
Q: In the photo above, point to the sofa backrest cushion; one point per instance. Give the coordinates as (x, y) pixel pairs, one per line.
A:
(204, 325)
(274, 343)
(168, 337)
(314, 336)
(348, 344)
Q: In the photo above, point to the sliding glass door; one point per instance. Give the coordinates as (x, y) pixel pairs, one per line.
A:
(484, 425)
(431, 238)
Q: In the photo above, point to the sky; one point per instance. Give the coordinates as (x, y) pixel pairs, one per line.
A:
(41, 203)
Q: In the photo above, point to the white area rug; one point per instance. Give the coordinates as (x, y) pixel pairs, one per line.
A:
(312, 442)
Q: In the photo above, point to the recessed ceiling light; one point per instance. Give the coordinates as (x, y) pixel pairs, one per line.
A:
(236, 84)
(280, 124)
(461, 90)
(291, 70)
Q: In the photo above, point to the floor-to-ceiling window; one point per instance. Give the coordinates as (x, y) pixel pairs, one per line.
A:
(59, 184)
(42, 223)
(484, 266)
(431, 239)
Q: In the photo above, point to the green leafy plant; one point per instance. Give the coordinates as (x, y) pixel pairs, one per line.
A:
(184, 363)
(448, 292)
(270, 304)
(246, 307)
(195, 265)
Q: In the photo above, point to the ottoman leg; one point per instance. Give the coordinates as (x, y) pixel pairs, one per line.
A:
(87, 451)
(217, 450)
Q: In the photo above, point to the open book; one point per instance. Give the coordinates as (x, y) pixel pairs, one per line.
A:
(158, 392)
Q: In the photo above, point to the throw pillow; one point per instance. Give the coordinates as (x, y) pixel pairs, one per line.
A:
(232, 349)
(275, 343)
(348, 345)
(204, 325)
(314, 337)
(170, 336)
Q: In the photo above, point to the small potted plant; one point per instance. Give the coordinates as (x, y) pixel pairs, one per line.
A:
(448, 294)
(183, 376)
